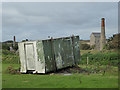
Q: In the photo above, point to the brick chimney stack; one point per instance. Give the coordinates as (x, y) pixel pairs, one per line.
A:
(14, 41)
(103, 37)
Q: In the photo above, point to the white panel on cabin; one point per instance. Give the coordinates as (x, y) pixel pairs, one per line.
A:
(40, 58)
(22, 57)
(30, 56)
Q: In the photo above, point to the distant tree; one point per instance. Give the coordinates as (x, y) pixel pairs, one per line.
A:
(113, 42)
(24, 40)
(5, 46)
(9, 41)
(15, 47)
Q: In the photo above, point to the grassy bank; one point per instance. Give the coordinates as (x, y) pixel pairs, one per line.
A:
(97, 51)
(84, 80)
(100, 58)
(98, 76)
(10, 57)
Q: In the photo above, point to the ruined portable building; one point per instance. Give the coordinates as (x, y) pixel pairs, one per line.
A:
(98, 40)
(42, 56)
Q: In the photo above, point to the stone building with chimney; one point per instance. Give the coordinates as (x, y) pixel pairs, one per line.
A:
(95, 40)
(98, 40)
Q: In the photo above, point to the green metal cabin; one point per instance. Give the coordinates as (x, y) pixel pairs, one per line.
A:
(42, 56)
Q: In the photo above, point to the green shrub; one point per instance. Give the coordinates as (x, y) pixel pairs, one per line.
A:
(7, 52)
(15, 47)
(9, 57)
(100, 58)
(85, 47)
(5, 46)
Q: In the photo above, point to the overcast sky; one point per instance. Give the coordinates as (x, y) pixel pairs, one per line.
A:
(36, 21)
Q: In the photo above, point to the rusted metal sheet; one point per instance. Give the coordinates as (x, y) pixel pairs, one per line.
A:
(76, 49)
(49, 55)
(58, 53)
(63, 52)
(49, 65)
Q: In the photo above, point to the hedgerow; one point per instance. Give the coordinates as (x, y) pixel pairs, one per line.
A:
(100, 58)
(9, 57)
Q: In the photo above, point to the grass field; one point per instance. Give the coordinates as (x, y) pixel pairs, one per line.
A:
(97, 51)
(83, 80)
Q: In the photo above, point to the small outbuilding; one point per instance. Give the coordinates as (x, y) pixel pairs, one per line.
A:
(42, 56)
(95, 40)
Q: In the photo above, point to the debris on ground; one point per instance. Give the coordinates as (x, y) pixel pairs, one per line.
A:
(65, 71)
(11, 70)
(70, 70)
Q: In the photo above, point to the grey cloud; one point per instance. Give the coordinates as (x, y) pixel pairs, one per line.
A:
(39, 20)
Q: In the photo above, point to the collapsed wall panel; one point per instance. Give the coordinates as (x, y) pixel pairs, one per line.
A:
(40, 64)
(76, 49)
(49, 59)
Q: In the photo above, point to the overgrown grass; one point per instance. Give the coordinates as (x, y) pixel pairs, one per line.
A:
(84, 80)
(97, 51)
(10, 57)
(100, 58)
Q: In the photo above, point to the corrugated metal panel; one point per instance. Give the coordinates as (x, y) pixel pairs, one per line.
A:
(58, 53)
(76, 49)
(68, 52)
(49, 62)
